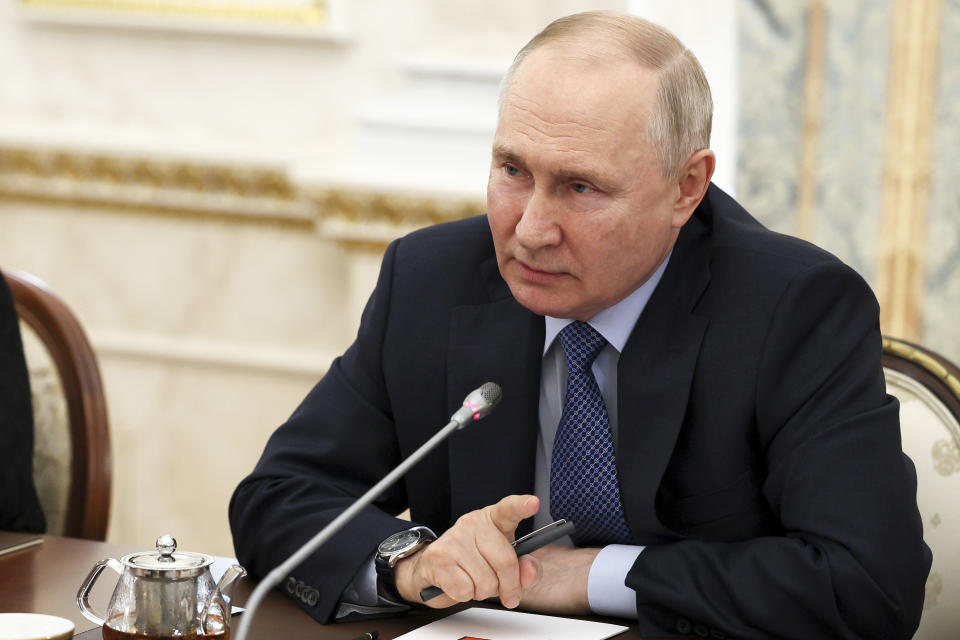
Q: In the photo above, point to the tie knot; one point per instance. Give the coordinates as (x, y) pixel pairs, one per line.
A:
(581, 344)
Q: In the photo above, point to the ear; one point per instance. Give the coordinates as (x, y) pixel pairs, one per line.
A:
(692, 185)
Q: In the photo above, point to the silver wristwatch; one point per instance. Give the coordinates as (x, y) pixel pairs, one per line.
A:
(398, 546)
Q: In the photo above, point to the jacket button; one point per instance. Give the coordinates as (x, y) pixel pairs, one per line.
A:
(701, 631)
(683, 625)
(291, 585)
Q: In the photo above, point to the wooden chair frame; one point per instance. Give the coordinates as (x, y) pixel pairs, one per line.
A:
(940, 376)
(88, 502)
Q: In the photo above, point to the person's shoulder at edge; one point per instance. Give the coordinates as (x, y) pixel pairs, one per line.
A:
(433, 250)
(740, 237)
(473, 230)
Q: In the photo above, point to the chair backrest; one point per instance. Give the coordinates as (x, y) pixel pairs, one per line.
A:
(928, 387)
(72, 467)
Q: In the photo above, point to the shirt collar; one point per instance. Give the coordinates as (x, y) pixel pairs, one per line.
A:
(616, 322)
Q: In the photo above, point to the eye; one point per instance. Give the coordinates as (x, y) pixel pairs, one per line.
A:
(580, 187)
(511, 170)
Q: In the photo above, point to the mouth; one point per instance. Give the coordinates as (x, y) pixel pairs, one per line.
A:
(533, 274)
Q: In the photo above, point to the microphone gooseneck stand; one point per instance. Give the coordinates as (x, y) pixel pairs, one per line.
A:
(489, 394)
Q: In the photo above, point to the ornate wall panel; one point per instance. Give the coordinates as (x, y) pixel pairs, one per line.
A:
(811, 123)
(941, 327)
(772, 41)
(849, 167)
(848, 124)
(914, 50)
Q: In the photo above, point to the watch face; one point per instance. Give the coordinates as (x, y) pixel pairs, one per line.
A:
(399, 542)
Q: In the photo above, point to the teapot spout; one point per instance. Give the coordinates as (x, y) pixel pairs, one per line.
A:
(225, 586)
(216, 612)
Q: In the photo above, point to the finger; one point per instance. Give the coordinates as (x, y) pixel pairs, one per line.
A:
(510, 511)
(531, 571)
(501, 560)
(457, 585)
(481, 570)
(432, 565)
(455, 563)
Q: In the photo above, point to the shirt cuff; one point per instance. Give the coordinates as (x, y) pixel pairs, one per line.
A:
(360, 599)
(606, 589)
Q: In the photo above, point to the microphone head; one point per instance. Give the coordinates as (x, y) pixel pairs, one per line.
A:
(478, 404)
(491, 392)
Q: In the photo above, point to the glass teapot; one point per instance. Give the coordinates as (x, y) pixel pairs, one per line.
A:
(163, 594)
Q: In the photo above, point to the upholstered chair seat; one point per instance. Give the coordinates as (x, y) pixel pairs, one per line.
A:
(928, 387)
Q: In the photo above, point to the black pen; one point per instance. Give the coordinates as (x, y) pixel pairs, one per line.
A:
(530, 542)
(369, 635)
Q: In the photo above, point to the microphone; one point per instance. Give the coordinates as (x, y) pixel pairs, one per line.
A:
(478, 404)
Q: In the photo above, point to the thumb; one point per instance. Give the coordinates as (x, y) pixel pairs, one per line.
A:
(510, 511)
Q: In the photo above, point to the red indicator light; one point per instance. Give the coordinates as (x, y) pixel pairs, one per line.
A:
(476, 416)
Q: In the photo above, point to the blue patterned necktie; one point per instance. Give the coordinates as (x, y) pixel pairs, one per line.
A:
(583, 471)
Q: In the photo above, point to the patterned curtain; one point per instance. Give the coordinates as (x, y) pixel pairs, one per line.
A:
(848, 136)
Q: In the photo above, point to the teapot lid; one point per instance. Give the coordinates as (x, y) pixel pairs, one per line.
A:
(166, 562)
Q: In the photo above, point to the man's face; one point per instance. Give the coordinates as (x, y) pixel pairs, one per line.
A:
(580, 212)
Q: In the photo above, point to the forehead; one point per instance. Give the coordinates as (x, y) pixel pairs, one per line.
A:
(575, 103)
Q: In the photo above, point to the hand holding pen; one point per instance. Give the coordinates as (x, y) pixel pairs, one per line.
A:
(527, 544)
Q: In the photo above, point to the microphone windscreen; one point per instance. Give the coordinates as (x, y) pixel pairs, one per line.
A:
(491, 392)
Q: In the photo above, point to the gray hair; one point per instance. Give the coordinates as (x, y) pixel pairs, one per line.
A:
(680, 125)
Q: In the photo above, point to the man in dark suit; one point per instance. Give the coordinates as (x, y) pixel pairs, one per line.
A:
(727, 449)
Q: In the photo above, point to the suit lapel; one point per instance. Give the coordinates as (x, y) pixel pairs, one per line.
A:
(500, 342)
(654, 376)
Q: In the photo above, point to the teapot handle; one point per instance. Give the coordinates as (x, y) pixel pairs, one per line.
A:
(83, 595)
(220, 601)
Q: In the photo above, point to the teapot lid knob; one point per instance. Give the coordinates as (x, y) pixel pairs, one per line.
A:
(166, 545)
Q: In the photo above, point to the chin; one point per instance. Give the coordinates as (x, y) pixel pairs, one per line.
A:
(540, 303)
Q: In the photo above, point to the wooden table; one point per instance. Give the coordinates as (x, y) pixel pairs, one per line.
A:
(45, 579)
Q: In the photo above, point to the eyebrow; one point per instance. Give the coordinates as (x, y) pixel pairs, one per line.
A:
(504, 154)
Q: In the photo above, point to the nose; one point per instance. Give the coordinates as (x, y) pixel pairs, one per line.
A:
(538, 225)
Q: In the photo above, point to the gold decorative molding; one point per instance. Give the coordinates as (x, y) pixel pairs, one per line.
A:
(371, 219)
(152, 185)
(357, 217)
(812, 97)
(911, 93)
(314, 12)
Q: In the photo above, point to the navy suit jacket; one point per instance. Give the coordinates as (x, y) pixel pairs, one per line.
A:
(759, 456)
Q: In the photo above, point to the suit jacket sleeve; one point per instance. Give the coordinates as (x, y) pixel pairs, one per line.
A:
(851, 561)
(338, 442)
